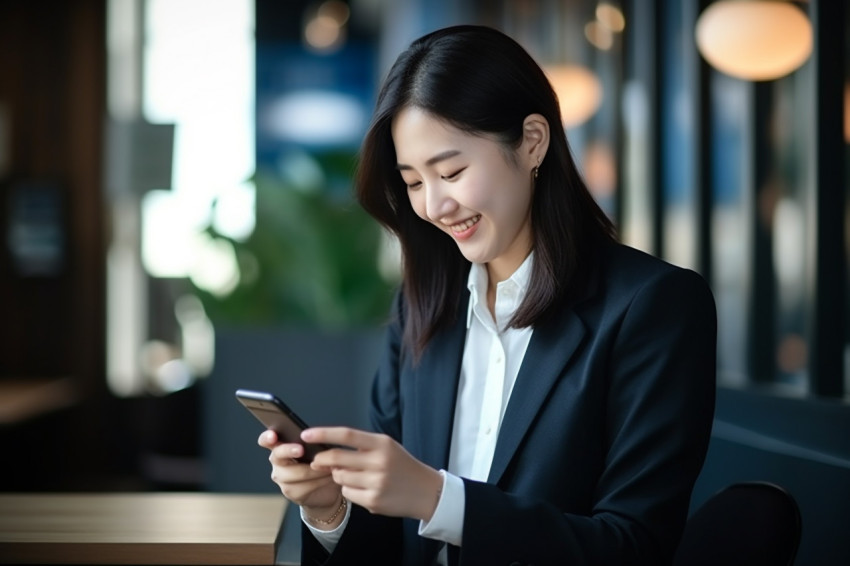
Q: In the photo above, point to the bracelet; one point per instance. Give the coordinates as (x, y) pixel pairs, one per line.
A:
(329, 521)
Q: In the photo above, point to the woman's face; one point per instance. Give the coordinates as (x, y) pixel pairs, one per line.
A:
(464, 185)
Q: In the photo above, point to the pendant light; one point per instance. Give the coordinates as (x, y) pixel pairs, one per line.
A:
(757, 40)
(579, 92)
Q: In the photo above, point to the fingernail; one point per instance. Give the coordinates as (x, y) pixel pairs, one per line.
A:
(294, 451)
(307, 434)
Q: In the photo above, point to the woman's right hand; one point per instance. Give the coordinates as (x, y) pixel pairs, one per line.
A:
(313, 490)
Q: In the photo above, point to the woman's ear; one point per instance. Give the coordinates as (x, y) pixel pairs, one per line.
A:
(535, 139)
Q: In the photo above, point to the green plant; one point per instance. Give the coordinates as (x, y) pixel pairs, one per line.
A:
(311, 260)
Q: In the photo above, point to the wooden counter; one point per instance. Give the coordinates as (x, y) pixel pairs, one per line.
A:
(139, 528)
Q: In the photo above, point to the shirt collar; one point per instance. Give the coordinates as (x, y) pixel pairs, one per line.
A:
(478, 280)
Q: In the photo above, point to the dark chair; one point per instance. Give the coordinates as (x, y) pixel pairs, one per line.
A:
(748, 523)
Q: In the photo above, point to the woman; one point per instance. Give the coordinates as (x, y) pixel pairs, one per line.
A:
(545, 395)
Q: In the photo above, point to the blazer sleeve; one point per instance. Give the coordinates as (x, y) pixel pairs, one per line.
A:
(658, 414)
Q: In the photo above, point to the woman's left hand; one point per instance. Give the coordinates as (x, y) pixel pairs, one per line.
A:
(377, 473)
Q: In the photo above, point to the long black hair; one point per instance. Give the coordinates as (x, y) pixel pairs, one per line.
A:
(481, 81)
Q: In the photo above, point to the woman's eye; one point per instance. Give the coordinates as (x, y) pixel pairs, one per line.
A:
(414, 185)
(453, 176)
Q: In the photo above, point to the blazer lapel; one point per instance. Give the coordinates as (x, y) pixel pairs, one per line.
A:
(550, 349)
(436, 386)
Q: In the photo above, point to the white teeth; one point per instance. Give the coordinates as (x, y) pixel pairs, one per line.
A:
(466, 224)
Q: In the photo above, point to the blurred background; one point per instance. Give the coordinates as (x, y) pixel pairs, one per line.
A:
(176, 221)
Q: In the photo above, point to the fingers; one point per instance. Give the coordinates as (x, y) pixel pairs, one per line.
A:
(283, 454)
(356, 479)
(304, 486)
(376, 472)
(336, 459)
(298, 490)
(358, 449)
(268, 439)
(297, 481)
(342, 436)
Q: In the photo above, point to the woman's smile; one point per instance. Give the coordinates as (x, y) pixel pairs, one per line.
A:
(465, 229)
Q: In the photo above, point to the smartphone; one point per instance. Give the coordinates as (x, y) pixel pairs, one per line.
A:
(275, 415)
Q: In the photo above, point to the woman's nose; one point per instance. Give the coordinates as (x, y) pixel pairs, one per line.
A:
(438, 203)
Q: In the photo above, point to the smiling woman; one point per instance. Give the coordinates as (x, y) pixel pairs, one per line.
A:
(510, 117)
(466, 186)
(533, 368)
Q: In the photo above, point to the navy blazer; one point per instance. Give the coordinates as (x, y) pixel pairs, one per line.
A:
(602, 440)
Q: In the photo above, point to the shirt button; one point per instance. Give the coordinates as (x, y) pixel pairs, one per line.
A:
(488, 431)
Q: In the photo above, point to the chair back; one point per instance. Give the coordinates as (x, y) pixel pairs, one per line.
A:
(747, 523)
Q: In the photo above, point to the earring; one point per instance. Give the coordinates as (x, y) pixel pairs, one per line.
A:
(536, 170)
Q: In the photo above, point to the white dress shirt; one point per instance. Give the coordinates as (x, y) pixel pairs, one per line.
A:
(492, 357)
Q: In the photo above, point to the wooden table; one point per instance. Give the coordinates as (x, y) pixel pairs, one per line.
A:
(139, 528)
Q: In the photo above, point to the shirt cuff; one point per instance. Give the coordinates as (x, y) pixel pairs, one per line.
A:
(328, 539)
(447, 522)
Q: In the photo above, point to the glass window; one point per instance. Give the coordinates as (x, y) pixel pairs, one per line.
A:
(788, 199)
(731, 223)
(187, 67)
(637, 212)
(199, 75)
(679, 134)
